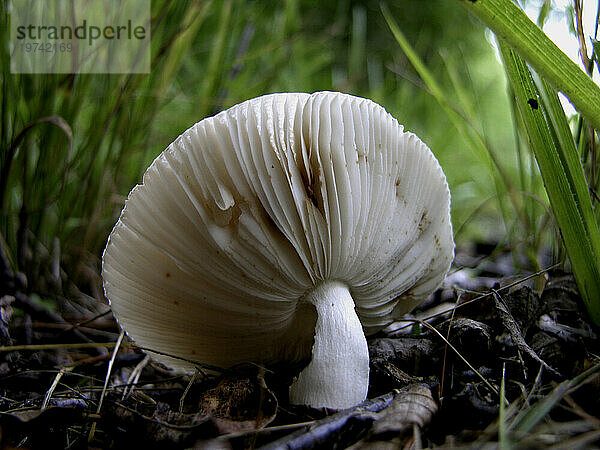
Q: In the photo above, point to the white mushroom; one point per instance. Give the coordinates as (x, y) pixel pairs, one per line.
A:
(284, 228)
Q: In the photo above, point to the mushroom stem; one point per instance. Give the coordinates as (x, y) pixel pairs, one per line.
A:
(337, 377)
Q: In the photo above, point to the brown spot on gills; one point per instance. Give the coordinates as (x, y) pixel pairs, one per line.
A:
(311, 181)
(423, 221)
(397, 188)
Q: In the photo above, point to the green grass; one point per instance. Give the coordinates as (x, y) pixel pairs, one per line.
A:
(70, 143)
(526, 424)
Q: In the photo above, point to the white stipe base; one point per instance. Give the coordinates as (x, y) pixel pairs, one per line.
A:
(338, 374)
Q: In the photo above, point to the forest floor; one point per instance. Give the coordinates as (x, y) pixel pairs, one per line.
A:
(491, 360)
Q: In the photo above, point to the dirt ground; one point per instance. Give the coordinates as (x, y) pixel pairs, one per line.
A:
(492, 359)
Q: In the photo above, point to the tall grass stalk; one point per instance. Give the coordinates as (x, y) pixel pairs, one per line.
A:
(551, 141)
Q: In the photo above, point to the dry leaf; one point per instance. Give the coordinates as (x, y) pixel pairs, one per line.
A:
(414, 406)
(239, 404)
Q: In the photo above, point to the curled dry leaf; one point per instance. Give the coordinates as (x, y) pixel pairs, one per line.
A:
(239, 404)
(413, 406)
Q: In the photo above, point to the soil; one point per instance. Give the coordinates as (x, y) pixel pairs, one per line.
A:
(490, 359)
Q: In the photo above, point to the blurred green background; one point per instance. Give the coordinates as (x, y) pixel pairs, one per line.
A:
(73, 146)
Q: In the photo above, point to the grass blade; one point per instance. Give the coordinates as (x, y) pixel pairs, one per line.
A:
(562, 174)
(511, 25)
(530, 417)
(503, 440)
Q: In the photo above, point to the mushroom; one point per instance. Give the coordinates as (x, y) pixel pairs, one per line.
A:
(285, 228)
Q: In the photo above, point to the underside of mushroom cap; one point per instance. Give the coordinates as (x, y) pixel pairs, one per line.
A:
(247, 211)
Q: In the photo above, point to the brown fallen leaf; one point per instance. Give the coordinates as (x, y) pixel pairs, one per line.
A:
(413, 406)
(239, 403)
(400, 422)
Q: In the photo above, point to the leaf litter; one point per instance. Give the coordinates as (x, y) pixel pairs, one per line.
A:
(437, 379)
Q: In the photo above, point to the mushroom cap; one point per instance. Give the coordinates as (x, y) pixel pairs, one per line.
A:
(247, 211)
